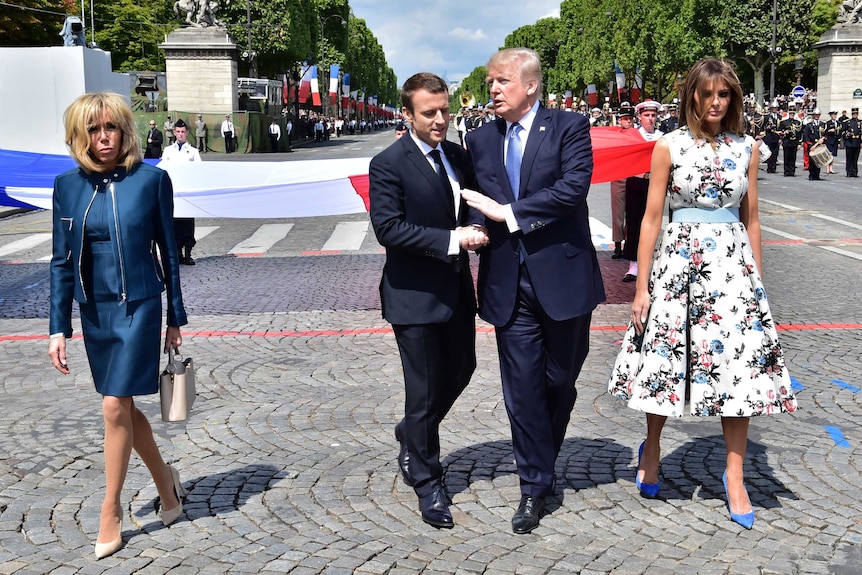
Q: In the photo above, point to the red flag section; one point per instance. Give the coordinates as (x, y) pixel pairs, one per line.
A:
(618, 153)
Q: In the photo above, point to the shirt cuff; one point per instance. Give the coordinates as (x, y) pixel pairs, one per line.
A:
(511, 222)
(454, 244)
(58, 334)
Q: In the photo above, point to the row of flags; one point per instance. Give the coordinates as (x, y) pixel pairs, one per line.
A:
(350, 100)
(592, 93)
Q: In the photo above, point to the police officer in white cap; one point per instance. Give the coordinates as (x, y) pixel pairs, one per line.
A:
(637, 188)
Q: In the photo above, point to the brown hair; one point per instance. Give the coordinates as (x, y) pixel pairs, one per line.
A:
(705, 71)
(432, 83)
(84, 113)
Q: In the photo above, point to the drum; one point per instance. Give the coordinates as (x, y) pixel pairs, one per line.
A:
(820, 155)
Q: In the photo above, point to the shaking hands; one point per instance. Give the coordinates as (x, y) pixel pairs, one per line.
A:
(472, 237)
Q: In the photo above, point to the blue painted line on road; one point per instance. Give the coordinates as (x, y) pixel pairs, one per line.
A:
(837, 436)
(795, 385)
(791, 221)
(845, 385)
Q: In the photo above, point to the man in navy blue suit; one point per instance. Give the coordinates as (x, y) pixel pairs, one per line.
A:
(539, 277)
(427, 288)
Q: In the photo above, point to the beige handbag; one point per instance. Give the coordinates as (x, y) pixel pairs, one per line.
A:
(177, 387)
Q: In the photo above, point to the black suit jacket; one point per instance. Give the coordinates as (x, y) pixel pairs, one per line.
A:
(552, 213)
(412, 217)
(154, 148)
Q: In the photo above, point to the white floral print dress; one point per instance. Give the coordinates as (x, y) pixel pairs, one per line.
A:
(709, 319)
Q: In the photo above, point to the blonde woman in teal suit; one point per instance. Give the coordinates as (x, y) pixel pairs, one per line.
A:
(109, 215)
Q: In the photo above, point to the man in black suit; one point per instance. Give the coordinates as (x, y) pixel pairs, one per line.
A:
(539, 277)
(154, 142)
(427, 289)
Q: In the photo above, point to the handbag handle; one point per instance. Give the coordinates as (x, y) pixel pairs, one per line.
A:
(173, 352)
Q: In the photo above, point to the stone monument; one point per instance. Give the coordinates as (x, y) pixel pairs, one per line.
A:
(839, 61)
(201, 67)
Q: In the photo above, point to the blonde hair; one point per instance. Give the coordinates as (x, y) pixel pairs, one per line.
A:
(528, 62)
(84, 113)
(701, 74)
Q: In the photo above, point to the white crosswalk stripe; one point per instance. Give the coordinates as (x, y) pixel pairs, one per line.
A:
(30, 241)
(602, 235)
(347, 236)
(264, 238)
(203, 231)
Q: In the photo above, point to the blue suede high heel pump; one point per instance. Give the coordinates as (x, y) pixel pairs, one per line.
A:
(744, 519)
(647, 489)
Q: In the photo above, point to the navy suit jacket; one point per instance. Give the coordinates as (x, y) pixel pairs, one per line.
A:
(412, 215)
(554, 237)
(144, 218)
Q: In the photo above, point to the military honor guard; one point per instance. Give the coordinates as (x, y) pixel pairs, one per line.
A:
(771, 137)
(790, 129)
(852, 135)
(833, 134)
(813, 136)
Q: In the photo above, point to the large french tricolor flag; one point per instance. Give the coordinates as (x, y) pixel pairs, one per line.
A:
(333, 85)
(315, 88)
(345, 90)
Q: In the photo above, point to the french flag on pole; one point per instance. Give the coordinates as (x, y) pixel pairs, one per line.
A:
(333, 85)
(315, 88)
(305, 85)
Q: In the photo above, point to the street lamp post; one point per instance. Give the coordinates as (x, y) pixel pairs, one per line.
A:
(250, 54)
(799, 64)
(320, 72)
(775, 49)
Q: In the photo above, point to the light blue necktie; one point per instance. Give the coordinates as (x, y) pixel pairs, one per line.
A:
(513, 158)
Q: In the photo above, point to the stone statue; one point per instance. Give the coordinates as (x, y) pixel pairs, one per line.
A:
(848, 12)
(199, 13)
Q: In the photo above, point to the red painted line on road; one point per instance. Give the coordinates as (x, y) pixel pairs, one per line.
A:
(249, 255)
(321, 253)
(782, 242)
(387, 330)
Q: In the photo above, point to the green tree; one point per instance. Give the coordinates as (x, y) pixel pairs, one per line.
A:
(546, 38)
(34, 22)
(474, 85)
(132, 30)
(746, 29)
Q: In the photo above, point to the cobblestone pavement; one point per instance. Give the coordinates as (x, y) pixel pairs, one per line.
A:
(289, 456)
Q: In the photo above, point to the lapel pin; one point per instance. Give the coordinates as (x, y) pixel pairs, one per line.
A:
(541, 128)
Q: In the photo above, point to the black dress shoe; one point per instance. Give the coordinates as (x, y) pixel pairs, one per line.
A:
(404, 459)
(529, 512)
(435, 508)
(629, 278)
(618, 254)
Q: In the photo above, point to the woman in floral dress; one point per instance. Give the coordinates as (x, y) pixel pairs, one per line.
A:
(701, 326)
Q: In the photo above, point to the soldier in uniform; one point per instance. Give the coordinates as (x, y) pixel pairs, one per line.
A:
(771, 137)
(670, 123)
(791, 131)
(852, 135)
(833, 134)
(814, 132)
(625, 120)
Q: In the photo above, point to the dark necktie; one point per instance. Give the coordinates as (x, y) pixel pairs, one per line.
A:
(444, 178)
(513, 158)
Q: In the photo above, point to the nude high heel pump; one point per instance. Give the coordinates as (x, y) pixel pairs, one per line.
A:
(105, 549)
(170, 515)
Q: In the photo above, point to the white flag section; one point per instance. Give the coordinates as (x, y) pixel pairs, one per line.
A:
(254, 189)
